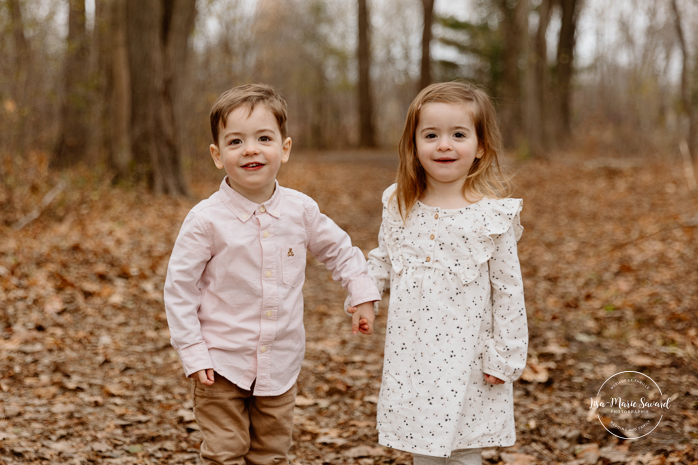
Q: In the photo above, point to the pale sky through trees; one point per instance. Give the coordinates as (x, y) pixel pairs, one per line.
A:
(598, 26)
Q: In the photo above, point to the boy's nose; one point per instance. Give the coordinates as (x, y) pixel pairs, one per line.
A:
(251, 149)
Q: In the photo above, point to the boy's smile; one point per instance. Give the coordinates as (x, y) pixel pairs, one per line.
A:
(251, 150)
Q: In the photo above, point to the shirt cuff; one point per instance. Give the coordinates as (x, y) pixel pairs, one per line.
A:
(362, 289)
(195, 358)
(347, 304)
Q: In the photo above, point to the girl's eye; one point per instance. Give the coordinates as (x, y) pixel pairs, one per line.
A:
(430, 136)
(459, 135)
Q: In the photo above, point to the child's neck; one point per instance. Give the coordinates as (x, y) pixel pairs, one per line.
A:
(447, 196)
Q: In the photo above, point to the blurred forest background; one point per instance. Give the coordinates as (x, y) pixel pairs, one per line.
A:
(104, 132)
(128, 85)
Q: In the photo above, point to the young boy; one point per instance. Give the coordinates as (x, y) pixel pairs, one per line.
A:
(233, 292)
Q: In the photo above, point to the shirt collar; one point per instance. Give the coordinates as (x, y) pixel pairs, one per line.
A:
(244, 208)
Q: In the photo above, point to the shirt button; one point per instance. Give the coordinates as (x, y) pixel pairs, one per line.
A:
(436, 217)
(268, 274)
(269, 313)
(265, 234)
(432, 237)
(276, 212)
(263, 349)
(244, 217)
(262, 209)
(428, 259)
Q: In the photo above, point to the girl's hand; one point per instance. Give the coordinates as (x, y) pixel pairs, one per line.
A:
(204, 376)
(493, 380)
(362, 318)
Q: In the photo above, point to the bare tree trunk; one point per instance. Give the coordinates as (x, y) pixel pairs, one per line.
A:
(532, 112)
(72, 142)
(120, 95)
(158, 32)
(366, 138)
(143, 27)
(425, 77)
(515, 13)
(542, 86)
(22, 59)
(564, 67)
(177, 25)
(686, 86)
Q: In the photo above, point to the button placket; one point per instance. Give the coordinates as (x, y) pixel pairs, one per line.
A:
(432, 237)
(270, 298)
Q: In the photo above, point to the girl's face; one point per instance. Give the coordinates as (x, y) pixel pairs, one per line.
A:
(446, 142)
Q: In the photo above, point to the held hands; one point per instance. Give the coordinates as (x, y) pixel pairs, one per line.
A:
(362, 318)
(493, 380)
(204, 376)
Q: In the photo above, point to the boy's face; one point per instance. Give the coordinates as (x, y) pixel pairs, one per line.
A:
(251, 151)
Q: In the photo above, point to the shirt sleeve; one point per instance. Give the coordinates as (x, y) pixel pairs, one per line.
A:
(332, 246)
(191, 253)
(505, 353)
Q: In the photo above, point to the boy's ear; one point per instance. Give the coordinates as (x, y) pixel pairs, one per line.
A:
(216, 155)
(286, 148)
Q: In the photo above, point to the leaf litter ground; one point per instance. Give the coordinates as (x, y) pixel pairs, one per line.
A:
(87, 375)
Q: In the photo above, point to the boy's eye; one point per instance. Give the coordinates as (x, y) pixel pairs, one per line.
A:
(265, 138)
(235, 142)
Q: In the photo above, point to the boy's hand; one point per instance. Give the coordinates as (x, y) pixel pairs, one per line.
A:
(204, 376)
(362, 318)
(493, 380)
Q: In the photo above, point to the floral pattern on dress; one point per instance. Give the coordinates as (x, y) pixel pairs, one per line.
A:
(456, 312)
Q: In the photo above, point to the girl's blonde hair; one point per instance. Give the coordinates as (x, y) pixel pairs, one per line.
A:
(485, 178)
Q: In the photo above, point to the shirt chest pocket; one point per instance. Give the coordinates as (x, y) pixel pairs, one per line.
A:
(293, 264)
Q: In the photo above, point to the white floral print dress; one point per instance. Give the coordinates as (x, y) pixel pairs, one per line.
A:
(456, 312)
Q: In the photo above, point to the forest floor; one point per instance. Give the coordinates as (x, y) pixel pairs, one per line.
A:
(87, 375)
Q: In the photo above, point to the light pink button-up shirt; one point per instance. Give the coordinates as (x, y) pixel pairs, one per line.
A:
(233, 292)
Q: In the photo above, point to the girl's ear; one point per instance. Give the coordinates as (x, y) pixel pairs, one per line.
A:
(480, 151)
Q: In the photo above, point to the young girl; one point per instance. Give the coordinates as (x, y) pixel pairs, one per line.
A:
(456, 333)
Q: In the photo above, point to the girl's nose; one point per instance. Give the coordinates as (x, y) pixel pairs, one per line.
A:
(444, 145)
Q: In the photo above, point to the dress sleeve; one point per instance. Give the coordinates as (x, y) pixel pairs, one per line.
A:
(505, 353)
(332, 246)
(191, 253)
(379, 264)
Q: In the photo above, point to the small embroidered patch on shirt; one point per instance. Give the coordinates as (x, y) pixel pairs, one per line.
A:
(290, 252)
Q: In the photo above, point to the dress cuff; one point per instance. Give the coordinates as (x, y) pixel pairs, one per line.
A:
(496, 374)
(195, 358)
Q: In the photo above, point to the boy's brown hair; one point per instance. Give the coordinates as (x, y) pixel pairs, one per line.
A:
(247, 95)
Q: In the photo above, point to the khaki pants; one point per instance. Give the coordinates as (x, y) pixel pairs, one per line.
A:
(239, 428)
